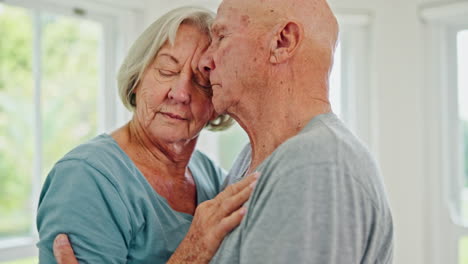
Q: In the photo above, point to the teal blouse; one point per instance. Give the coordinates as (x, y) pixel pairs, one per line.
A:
(97, 196)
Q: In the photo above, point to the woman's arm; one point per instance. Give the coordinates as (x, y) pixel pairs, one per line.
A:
(213, 219)
(77, 199)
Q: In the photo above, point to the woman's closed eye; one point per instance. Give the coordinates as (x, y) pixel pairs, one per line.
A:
(167, 73)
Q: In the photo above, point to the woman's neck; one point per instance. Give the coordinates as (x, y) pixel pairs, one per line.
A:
(156, 155)
(163, 164)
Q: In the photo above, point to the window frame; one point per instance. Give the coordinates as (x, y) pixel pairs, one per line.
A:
(359, 96)
(121, 22)
(442, 149)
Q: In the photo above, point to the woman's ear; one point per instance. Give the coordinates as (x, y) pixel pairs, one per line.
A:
(285, 42)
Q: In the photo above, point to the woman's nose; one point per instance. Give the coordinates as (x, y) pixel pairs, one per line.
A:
(181, 90)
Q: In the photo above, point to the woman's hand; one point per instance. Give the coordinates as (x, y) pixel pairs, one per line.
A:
(212, 221)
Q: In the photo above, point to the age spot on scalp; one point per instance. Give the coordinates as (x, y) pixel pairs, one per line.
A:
(245, 19)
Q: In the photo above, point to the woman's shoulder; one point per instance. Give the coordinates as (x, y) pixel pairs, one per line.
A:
(99, 156)
(98, 152)
(82, 196)
(93, 149)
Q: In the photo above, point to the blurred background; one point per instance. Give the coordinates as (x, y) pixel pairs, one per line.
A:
(400, 82)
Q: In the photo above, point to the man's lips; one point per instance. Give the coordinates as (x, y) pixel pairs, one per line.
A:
(174, 116)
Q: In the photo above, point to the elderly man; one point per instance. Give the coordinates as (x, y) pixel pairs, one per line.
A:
(320, 198)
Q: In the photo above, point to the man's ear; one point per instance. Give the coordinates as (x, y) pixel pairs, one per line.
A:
(285, 42)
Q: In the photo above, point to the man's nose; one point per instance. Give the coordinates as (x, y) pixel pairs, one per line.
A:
(181, 90)
(206, 63)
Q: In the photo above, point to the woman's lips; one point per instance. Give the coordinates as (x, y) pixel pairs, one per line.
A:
(174, 116)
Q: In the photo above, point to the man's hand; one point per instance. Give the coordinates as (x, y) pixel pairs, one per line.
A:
(63, 251)
(213, 219)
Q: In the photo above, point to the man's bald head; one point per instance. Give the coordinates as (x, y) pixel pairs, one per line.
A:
(317, 21)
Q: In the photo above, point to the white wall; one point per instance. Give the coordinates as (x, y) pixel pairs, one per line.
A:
(396, 76)
(397, 80)
(159, 7)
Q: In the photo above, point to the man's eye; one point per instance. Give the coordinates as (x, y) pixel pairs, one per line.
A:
(203, 85)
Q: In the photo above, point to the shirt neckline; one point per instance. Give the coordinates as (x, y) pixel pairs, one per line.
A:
(140, 174)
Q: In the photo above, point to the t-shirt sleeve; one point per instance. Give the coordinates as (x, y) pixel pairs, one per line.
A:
(210, 174)
(309, 214)
(219, 174)
(240, 166)
(78, 200)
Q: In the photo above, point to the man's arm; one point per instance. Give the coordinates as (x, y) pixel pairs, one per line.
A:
(63, 251)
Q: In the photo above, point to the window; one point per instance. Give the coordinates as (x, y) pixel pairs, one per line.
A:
(462, 63)
(446, 138)
(57, 90)
(459, 127)
(462, 85)
(48, 103)
(335, 84)
(16, 121)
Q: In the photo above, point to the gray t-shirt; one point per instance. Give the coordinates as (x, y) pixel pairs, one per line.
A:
(320, 199)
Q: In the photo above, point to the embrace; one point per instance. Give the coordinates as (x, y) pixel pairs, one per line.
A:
(304, 190)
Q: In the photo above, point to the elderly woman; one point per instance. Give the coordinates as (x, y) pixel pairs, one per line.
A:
(131, 196)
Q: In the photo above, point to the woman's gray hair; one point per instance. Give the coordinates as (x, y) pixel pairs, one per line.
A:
(147, 46)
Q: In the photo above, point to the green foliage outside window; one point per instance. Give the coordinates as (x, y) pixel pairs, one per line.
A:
(16, 120)
(465, 139)
(70, 62)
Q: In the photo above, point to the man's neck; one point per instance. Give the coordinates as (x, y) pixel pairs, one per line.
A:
(268, 125)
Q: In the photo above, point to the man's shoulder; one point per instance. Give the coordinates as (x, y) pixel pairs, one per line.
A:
(325, 153)
(316, 143)
(324, 140)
